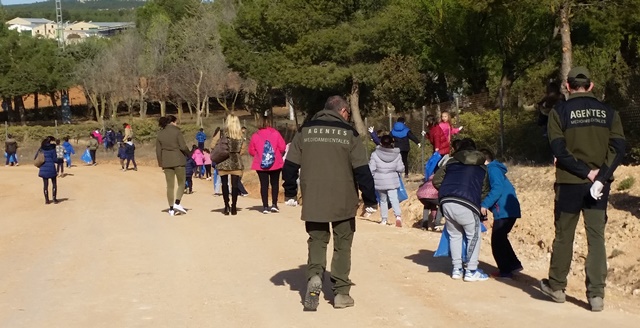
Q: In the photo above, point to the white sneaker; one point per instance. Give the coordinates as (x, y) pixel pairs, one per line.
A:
(179, 208)
(476, 275)
(456, 273)
(172, 213)
(383, 222)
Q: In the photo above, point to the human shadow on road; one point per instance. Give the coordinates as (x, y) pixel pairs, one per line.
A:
(524, 282)
(62, 200)
(626, 202)
(296, 279)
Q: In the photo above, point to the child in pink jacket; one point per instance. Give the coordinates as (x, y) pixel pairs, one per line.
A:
(268, 166)
(198, 157)
(207, 164)
(446, 127)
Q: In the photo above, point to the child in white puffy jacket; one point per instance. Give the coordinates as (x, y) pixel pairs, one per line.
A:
(386, 165)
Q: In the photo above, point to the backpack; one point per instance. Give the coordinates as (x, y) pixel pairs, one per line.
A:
(268, 156)
(220, 152)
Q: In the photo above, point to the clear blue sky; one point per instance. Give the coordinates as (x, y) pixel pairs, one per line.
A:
(15, 2)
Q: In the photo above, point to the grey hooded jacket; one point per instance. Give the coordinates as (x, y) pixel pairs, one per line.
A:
(385, 164)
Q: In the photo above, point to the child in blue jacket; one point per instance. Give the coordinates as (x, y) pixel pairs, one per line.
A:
(189, 168)
(122, 155)
(505, 207)
(68, 151)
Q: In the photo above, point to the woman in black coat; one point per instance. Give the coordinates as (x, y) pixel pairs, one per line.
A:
(48, 169)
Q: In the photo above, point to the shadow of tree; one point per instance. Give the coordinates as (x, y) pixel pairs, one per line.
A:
(524, 282)
(296, 279)
(626, 202)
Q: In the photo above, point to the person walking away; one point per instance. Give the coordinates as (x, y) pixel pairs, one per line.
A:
(401, 135)
(128, 131)
(267, 148)
(446, 127)
(588, 142)
(131, 154)
(438, 139)
(207, 164)
(98, 136)
(189, 168)
(119, 137)
(59, 158)
(122, 155)
(233, 165)
(201, 137)
(386, 165)
(333, 164)
(11, 148)
(93, 148)
(171, 150)
(462, 184)
(48, 170)
(198, 157)
(505, 207)
(68, 151)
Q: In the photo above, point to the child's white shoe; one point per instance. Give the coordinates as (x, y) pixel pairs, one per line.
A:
(172, 213)
(383, 222)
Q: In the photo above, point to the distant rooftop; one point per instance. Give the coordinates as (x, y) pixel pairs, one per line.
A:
(31, 21)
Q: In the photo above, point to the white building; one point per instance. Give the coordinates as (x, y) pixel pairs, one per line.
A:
(28, 25)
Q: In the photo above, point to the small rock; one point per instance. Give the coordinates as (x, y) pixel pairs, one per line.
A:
(636, 292)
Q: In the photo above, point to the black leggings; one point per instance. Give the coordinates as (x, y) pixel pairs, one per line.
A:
(132, 159)
(234, 189)
(267, 177)
(54, 184)
(93, 156)
(405, 161)
(207, 170)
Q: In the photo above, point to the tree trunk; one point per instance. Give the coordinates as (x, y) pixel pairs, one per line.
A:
(113, 105)
(35, 101)
(354, 100)
(163, 108)
(292, 111)
(54, 100)
(18, 104)
(567, 48)
(233, 104)
(103, 107)
(190, 107)
(508, 77)
(223, 104)
(143, 104)
(180, 110)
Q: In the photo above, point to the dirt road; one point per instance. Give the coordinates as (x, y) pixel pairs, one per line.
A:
(109, 257)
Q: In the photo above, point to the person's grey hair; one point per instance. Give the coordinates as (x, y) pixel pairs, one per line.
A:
(336, 103)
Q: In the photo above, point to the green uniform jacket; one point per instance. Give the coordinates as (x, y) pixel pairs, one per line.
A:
(93, 144)
(333, 164)
(585, 135)
(171, 149)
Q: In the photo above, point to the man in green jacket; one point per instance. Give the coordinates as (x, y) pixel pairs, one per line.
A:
(588, 143)
(333, 163)
(93, 148)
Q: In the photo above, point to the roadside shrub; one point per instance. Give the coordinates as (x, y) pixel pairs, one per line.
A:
(626, 184)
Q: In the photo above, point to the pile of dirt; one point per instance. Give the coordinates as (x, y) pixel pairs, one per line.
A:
(532, 237)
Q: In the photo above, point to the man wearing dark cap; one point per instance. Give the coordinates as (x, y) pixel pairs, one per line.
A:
(588, 142)
(333, 163)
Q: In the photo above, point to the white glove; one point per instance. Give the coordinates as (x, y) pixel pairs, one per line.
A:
(370, 129)
(460, 128)
(419, 145)
(370, 210)
(596, 190)
(424, 133)
(291, 202)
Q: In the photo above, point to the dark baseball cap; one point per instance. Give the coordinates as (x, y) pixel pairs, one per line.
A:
(579, 73)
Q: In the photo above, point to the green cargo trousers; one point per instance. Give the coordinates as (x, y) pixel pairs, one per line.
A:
(569, 202)
(319, 236)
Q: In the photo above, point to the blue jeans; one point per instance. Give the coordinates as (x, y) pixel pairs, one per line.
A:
(392, 196)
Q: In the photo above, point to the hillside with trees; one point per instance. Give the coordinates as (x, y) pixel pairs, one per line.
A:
(74, 10)
(382, 55)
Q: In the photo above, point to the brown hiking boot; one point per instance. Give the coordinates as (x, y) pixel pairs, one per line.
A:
(342, 301)
(312, 297)
(557, 296)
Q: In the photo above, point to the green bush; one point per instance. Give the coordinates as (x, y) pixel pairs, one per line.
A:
(626, 184)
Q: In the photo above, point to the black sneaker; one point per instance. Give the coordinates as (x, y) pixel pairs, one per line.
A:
(275, 209)
(266, 210)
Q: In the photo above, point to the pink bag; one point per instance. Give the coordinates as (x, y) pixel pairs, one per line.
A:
(427, 190)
